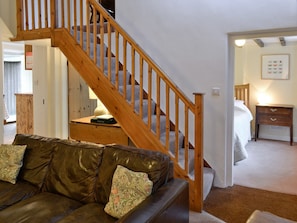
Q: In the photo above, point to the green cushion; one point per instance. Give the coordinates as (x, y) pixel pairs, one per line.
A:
(11, 161)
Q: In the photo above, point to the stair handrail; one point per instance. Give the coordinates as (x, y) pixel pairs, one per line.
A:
(33, 23)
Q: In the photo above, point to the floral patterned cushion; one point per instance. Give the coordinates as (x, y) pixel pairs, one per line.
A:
(11, 161)
(128, 189)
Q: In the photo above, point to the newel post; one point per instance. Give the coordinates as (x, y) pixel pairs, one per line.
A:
(198, 206)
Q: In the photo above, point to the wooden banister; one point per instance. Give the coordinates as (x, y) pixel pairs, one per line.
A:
(68, 20)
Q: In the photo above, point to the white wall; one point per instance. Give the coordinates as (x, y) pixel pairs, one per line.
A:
(8, 14)
(50, 92)
(1, 90)
(248, 60)
(189, 39)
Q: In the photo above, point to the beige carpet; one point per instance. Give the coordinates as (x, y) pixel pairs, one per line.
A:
(9, 133)
(272, 165)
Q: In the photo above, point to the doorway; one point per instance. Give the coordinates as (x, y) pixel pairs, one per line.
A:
(15, 80)
(267, 38)
(12, 85)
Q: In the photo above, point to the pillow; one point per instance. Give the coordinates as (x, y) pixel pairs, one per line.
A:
(11, 161)
(128, 189)
(239, 105)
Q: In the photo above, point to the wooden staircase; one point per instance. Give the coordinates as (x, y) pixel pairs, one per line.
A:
(151, 109)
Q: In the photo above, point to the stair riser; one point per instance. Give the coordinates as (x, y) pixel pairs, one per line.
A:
(145, 106)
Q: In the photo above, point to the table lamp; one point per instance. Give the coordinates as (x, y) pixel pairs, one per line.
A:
(100, 109)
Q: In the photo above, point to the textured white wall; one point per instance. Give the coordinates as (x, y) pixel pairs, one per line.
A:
(1, 90)
(189, 39)
(8, 14)
(50, 92)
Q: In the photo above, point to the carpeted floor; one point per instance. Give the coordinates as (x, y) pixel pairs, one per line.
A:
(235, 204)
(9, 133)
(271, 165)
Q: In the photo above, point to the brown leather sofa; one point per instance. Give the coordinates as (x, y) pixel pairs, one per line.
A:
(66, 181)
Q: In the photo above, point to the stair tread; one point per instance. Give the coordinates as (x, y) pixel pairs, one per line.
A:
(181, 159)
(172, 140)
(145, 103)
(208, 178)
(120, 77)
(84, 28)
(112, 60)
(129, 92)
(154, 123)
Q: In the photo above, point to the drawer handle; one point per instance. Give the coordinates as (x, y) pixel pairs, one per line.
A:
(273, 109)
(273, 119)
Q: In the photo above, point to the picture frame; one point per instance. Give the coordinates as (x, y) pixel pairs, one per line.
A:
(28, 57)
(275, 67)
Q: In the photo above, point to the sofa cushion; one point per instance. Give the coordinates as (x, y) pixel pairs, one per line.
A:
(74, 170)
(11, 161)
(37, 157)
(90, 213)
(13, 193)
(41, 208)
(156, 164)
(128, 190)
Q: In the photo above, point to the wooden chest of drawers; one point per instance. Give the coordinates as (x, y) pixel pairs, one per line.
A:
(278, 115)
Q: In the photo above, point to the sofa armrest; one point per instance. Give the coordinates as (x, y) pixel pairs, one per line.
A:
(170, 203)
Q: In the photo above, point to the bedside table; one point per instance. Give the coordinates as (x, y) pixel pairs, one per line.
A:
(277, 115)
(83, 129)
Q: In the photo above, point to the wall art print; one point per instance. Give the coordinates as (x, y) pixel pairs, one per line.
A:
(275, 66)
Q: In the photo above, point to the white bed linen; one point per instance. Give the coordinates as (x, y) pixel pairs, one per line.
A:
(242, 130)
(5, 111)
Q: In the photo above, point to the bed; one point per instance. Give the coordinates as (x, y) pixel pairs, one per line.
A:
(242, 121)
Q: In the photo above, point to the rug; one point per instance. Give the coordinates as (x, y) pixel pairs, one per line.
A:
(235, 204)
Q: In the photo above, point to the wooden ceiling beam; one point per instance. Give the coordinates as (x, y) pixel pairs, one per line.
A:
(259, 42)
(282, 41)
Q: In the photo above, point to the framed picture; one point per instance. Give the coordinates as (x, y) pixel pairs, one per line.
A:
(275, 66)
(28, 57)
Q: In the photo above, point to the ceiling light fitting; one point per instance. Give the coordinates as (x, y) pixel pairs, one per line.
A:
(240, 42)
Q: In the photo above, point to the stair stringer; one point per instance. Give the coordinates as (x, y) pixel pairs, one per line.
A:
(131, 123)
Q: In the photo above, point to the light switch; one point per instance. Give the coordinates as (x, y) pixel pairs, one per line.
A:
(216, 91)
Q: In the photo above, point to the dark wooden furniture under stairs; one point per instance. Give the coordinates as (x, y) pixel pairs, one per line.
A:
(82, 129)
